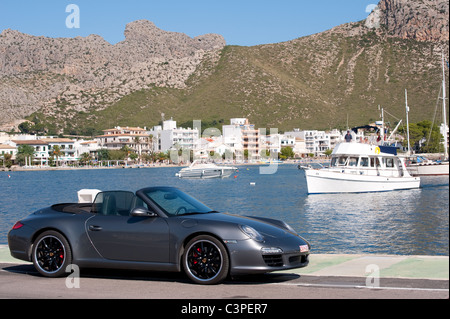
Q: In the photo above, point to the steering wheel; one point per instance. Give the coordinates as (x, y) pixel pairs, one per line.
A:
(181, 209)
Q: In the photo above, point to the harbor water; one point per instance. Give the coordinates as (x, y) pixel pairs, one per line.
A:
(409, 222)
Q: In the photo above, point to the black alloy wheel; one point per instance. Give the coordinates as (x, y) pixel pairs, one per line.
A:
(206, 260)
(51, 254)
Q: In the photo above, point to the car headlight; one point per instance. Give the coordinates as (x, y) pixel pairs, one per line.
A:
(271, 250)
(251, 233)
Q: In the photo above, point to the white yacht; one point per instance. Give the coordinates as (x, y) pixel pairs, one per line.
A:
(358, 167)
(205, 170)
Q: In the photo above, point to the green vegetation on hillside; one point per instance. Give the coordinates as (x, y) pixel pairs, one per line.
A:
(317, 82)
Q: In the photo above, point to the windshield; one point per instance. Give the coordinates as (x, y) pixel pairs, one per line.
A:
(174, 202)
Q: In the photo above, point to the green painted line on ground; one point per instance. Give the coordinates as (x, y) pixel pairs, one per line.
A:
(418, 267)
(5, 256)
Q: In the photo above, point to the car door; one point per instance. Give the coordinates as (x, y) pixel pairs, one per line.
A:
(117, 235)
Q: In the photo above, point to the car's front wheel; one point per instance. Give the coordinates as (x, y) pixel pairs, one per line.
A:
(206, 260)
(51, 254)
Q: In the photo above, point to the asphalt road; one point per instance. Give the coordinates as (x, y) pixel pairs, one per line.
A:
(23, 282)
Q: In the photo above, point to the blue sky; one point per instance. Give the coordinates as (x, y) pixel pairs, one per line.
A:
(243, 22)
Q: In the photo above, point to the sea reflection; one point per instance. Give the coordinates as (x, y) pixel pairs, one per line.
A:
(398, 222)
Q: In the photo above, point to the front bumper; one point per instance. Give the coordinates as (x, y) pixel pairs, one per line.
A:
(247, 257)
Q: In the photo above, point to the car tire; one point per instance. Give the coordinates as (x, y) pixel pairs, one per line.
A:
(205, 260)
(51, 254)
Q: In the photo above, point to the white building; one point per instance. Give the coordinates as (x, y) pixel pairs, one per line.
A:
(296, 139)
(275, 142)
(318, 142)
(170, 137)
(232, 137)
(41, 150)
(67, 150)
(135, 138)
(287, 141)
(91, 147)
(243, 137)
(8, 149)
(270, 143)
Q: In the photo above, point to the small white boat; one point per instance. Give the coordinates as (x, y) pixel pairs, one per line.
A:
(358, 167)
(205, 170)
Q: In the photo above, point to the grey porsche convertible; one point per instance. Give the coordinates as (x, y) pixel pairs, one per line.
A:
(156, 228)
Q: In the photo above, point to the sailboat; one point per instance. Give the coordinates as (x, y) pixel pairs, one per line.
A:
(421, 166)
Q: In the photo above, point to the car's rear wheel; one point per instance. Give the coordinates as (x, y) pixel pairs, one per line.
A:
(51, 254)
(206, 260)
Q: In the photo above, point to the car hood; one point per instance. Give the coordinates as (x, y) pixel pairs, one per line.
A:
(265, 227)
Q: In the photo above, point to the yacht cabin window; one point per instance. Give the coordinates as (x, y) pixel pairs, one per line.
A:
(389, 162)
(353, 161)
(375, 162)
(339, 161)
(364, 162)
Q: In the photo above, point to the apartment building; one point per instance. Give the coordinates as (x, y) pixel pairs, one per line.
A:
(7, 149)
(66, 147)
(169, 136)
(135, 138)
(243, 137)
(275, 142)
(318, 142)
(41, 154)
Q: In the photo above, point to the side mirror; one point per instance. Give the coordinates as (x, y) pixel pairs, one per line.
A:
(142, 212)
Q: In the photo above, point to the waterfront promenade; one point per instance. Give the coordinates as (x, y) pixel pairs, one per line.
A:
(351, 265)
(327, 277)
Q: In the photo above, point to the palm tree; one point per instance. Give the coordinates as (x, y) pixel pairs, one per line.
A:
(25, 151)
(137, 141)
(85, 158)
(57, 152)
(151, 140)
(7, 162)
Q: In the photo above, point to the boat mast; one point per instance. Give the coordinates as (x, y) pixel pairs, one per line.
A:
(443, 108)
(407, 121)
(382, 123)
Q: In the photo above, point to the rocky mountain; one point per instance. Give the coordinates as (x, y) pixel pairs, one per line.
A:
(81, 74)
(422, 20)
(319, 81)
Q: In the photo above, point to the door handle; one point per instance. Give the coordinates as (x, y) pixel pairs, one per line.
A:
(94, 228)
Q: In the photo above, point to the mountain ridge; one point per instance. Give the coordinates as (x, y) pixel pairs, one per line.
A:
(45, 74)
(318, 81)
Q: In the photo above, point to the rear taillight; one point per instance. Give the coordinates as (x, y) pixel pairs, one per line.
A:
(17, 225)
